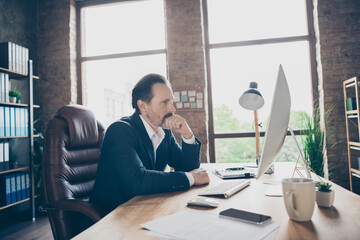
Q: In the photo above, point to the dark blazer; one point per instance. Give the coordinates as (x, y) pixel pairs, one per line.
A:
(126, 167)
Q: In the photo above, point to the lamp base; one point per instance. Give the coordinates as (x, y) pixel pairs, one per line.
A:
(271, 169)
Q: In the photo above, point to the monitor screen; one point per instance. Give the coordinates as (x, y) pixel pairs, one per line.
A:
(278, 123)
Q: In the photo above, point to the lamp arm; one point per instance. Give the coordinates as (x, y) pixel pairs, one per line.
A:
(300, 152)
(257, 137)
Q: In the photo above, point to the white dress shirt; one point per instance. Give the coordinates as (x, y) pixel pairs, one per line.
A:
(157, 137)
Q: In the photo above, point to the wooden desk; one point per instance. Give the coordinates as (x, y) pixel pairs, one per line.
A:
(342, 221)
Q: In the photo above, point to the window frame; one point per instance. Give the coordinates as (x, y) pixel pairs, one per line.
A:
(310, 37)
(80, 59)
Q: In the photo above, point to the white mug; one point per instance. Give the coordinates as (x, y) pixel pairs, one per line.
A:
(299, 198)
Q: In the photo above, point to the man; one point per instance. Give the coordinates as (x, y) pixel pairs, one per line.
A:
(136, 149)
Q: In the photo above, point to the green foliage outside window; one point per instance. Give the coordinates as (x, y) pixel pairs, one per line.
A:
(243, 149)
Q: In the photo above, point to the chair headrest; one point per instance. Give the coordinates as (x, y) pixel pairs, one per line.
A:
(83, 128)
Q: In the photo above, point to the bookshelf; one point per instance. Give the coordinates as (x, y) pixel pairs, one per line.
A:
(27, 133)
(352, 119)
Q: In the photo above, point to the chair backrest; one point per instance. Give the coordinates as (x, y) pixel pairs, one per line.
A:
(71, 152)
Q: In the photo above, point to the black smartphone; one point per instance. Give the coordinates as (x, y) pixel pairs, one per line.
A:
(245, 216)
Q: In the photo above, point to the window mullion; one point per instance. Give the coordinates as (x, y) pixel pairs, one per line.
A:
(123, 55)
(260, 42)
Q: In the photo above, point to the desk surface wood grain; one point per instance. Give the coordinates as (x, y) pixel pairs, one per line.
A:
(342, 221)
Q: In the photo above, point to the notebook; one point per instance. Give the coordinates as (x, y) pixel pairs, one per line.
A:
(235, 172)
(226, 189)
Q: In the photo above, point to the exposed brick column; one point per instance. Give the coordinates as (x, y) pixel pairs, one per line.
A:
(185, 58)
(56, 56)
(338, 46)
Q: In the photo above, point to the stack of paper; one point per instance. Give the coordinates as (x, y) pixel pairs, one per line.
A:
(192, 224)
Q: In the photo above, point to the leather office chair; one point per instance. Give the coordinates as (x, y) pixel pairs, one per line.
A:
(71, 152)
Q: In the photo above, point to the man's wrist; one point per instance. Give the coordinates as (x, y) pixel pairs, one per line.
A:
(188, 136)
(190, 178)
(189, 141)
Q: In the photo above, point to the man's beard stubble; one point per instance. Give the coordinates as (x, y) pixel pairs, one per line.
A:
(152, 120)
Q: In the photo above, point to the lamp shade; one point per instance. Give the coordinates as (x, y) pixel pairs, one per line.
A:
(251, 98)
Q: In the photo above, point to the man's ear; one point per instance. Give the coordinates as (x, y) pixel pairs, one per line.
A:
(142, 105)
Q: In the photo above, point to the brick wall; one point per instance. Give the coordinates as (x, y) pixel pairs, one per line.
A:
(339, 48)
(57, 55)
(185, 58)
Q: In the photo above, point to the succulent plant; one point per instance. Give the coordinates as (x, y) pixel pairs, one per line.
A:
(323, 187)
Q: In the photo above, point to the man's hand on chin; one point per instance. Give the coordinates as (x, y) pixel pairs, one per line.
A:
(178, 124)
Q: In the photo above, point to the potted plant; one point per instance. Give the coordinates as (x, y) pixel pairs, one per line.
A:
(18, 97)
(313, 142)
(313, 139)
(324, 195)
(15, 96)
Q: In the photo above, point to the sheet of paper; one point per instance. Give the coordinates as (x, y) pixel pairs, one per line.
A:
(192, 93)
(193, 224)
(271, 235)
(159, 235)
(177, 96)
(199, 103)
(272, 182)
(274, 191)
(179, 105)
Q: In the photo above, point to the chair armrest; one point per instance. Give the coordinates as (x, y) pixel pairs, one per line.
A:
(86, 208)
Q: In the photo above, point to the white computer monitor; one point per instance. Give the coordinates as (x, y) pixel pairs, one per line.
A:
(278, 123)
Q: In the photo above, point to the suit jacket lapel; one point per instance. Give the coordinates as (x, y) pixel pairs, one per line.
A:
(139, 126)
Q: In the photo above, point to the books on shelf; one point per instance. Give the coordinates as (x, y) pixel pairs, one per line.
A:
(14, 57)
(14, 121)
(14, 187)
(4, 156)
(14, 183)
(18, 186)
(18, 122)
(2, 121)
(7, 121)
(5, 187)
(27, 185)
(4, 87)
(23, 185)
(6, 59)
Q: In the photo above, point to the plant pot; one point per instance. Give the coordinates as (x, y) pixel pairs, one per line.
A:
(12, 99)
(325, 199)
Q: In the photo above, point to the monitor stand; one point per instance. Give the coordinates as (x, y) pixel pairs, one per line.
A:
(300, 152)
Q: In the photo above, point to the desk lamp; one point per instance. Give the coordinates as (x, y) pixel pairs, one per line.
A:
(251, 99)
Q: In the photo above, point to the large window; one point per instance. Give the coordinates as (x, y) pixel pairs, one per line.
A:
(120, 43)
(247, 41)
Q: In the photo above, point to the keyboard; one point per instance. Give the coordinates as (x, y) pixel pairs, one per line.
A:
(226, 189)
